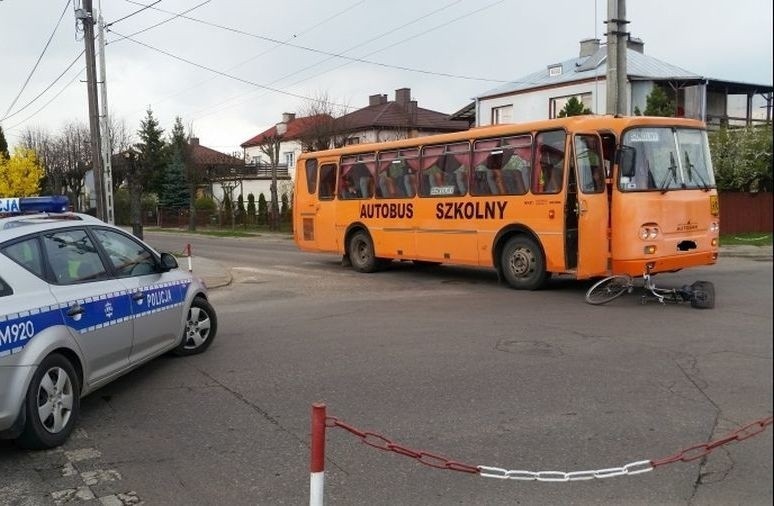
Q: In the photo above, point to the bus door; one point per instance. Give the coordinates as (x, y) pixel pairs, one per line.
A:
(588, 207)
(317, 214)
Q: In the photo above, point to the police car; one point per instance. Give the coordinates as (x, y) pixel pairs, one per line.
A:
(81, 303)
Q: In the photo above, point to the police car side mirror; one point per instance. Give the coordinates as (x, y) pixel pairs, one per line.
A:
(168, 262)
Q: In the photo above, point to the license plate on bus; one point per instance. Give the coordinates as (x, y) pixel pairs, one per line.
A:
(714, 206)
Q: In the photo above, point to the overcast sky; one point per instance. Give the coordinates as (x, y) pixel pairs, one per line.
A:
(461, 47)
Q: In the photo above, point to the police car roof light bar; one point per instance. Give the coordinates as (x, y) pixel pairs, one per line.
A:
(23, 205)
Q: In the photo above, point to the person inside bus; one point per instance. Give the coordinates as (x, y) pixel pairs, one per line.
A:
(391, 180)
(434, 175)
(349, 188)
(514, 173)
(489, 171)
(552, 167)
(362, 176)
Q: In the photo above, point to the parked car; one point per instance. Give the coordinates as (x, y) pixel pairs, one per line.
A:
(81, 303)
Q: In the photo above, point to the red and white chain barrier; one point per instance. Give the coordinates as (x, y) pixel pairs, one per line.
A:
(320, 421)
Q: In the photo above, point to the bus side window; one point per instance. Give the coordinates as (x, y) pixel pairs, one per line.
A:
(311, 176)
(548, 175)
(327, 181)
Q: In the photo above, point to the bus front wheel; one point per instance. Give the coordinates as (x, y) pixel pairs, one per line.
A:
(522, 264)
(361, 252)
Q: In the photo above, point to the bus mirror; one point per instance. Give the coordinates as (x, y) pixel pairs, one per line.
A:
(625, 160)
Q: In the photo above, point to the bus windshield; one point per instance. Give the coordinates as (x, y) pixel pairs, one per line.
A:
(667, 159)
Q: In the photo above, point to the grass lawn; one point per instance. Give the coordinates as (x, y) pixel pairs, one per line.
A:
(749, 239)
(224, 232)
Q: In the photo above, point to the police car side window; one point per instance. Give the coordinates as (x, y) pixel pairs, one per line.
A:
(72, 257)
(27, 254)
(5, 289)
(129, 257)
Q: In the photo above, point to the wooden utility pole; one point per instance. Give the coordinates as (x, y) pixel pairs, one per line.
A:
(87, 19)
(617, 37)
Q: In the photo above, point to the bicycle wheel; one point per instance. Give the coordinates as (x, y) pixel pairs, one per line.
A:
(608, 289)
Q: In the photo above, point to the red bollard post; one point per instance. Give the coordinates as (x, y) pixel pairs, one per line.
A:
(188, 250)
(317, 480)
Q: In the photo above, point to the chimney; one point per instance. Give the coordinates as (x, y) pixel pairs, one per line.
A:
(287, 117)
(403, 97)
(193, 141)
(377, 100)
(281, 128)
(412, 111)
(588, 47)
(635, 44)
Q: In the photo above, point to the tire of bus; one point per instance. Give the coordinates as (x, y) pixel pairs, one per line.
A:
(361, 253)
(523, 265)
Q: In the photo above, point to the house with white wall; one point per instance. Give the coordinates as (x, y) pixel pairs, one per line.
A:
(544, 93)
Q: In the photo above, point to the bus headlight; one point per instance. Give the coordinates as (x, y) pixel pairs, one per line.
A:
(649, 231)
(714, 227)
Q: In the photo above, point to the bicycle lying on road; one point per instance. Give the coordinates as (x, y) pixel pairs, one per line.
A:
(700, 294)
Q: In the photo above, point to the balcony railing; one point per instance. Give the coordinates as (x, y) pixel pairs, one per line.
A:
(249, 171)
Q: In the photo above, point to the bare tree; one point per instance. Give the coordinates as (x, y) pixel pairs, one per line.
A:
(271, 148)
(72, 153)
(40, 141)
(328, 128)
(121, 139)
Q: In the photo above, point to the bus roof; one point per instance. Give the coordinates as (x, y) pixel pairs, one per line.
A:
(577, 123)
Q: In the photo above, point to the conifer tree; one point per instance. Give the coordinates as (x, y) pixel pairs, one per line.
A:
(263, 210)
(250, 209)
(174, 190)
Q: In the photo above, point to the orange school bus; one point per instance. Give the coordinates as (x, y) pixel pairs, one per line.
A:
(584, 196)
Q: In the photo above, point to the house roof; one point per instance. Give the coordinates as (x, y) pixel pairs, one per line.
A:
(202, 155)
(638, 66)
(296, 128)
(395, 115)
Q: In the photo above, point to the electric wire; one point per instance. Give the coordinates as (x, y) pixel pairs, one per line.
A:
(337, 55)
(46, 89)
(144, 7)
(262, 53)
(224, 74)
(174, 16)
(37, 62)
(76, 76)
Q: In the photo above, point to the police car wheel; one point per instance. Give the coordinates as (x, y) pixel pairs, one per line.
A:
(52, 404)
(201, 325)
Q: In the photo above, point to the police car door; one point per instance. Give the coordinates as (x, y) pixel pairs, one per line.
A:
(94, 305)
(156, 297)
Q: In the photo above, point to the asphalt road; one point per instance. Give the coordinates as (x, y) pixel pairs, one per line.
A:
(443, 360)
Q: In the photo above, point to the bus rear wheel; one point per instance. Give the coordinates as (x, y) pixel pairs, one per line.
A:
(522, 264)
(361, 253)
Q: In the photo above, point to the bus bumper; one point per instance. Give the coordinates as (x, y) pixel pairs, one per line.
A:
(637, 267)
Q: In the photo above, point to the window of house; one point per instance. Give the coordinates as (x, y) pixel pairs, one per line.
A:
(353, 140)
(290, 159)
(502, 114)
(556, 104)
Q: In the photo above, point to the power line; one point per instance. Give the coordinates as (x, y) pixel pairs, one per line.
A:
(76, 76)
(174, 16)
(224, 74)
(351, 48)
(383, 48)
(336, 55)
(144, 7)
(45, 90)
(306, 30)
(26, 82)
